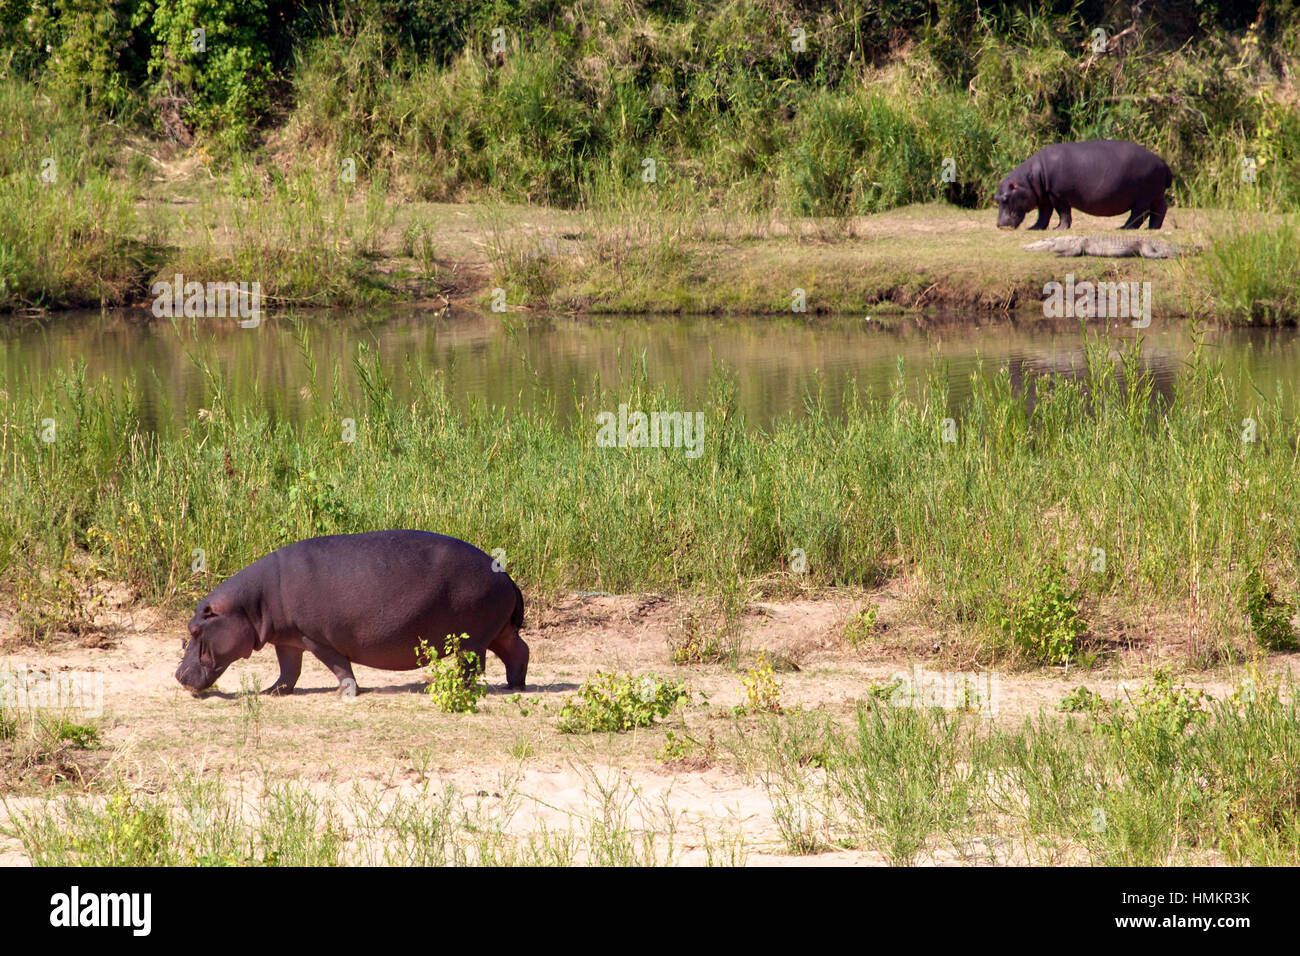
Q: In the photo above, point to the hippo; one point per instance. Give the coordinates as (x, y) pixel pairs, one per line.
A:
(1103, 177)
(357, 598)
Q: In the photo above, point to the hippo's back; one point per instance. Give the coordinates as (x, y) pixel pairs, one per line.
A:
(1115, 159)
(385, 584)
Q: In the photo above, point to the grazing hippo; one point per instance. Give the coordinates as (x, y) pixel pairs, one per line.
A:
(1103, 177)
(357, 598)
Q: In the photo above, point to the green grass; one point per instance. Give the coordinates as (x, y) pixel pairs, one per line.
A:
(1165, 777)
(198, 821)
(1165, 486)
(1252, 275)
(43, 749)
(68, 231)
(743, 130)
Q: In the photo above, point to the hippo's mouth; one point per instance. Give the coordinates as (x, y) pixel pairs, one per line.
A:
(198, 681)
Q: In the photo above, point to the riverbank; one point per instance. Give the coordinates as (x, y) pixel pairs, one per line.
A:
(859, 750)
(662, 258)
(751, 159)
(1178, 498)
(310, 244)
(121, 212)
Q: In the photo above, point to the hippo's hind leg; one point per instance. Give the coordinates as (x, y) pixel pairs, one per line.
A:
(1158, 210)
(512, 650)
(290, 659)
(339, 665)
(1138, 215)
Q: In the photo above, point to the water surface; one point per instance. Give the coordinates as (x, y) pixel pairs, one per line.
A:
(524, 364)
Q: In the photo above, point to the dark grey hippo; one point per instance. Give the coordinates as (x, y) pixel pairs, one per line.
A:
(357, 598)
(1103, 177)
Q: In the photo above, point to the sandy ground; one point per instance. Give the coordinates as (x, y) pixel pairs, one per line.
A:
(390, 741)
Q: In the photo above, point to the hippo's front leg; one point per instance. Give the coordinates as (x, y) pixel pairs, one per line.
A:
(1064, 212)
(339, 665)
(1044, 216)
(290, 659)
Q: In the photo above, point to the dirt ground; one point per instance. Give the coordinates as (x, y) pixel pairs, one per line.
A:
(391, 740)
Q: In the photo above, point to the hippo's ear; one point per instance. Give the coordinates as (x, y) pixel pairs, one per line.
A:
(261, 625)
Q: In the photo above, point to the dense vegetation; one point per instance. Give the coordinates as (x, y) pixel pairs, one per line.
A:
(1040, 528)
(801, 108)
(856, 113)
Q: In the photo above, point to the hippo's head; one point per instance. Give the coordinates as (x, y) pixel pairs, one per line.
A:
(220, 633)
(1014, 199)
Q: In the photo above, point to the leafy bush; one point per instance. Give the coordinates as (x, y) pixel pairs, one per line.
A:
(1151, 734)
(223, 79)
(126, 834)
(762, 692)
(82, 48)
(861, 626)
(616, 703)
(455, 682)
(1045, 624)
(1082, 700)
(1270, 619)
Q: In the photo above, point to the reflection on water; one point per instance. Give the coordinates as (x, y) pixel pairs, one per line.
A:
(778, 363)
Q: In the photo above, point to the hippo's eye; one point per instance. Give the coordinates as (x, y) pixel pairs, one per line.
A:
(208, 612)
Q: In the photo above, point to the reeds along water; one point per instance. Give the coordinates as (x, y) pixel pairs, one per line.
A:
(1185, 493)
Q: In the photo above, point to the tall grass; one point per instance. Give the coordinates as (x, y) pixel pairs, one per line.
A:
(304, 237)
(1157, 778)
(68, 233)
(1184, 497)
(1252, 275)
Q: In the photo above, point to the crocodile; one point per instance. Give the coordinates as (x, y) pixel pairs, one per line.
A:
(1112, 246)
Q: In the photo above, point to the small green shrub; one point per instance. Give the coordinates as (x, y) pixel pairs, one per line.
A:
(762, 692)
(676, 748)
(883, 690)
(1270, 619)
(455, 679)
(861, 626)
(1166, 706)
(615, 703)
(125, 833)
(1151, 737)
(1045, 624)
(315, 505)
(1083, 701)
(60, 728)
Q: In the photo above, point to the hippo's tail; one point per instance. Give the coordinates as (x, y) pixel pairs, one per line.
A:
(517, 618)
